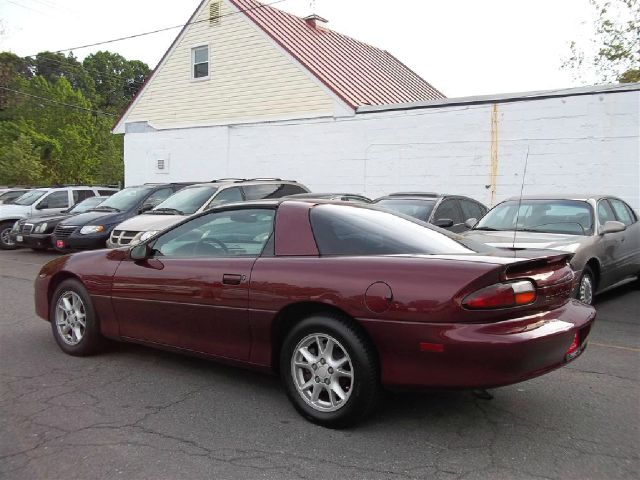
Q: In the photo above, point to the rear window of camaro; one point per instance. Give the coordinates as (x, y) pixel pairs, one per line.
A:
(345, 230)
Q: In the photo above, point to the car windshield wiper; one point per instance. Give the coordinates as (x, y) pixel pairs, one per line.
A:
(105, 209)
(489, 229)
(160, 211)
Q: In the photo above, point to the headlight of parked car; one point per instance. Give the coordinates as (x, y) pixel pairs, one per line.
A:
(142, 236)
(40, 228)
(89, 229)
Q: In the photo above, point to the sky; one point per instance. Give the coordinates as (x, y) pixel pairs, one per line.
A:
(462, 47)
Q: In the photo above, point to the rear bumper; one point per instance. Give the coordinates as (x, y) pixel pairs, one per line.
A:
(479, 355)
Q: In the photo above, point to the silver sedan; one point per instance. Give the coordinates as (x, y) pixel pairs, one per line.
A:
(602, 232)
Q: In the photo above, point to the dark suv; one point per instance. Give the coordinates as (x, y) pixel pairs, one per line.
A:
(92, 229)
(445, 211)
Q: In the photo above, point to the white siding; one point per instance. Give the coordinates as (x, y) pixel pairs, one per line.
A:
(251, 79)
(576, 144)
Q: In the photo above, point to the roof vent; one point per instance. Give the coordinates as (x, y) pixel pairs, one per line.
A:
(315, 21)
(214, 12)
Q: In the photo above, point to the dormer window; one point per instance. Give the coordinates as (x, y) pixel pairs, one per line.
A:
(200, 62)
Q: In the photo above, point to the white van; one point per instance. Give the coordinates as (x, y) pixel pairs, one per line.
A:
(195, 199)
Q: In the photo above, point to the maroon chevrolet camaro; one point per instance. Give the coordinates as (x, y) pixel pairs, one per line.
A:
(340, 299)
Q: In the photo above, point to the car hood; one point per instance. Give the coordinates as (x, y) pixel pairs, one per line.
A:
(149, 222)
(14, 211)
(544, 241)
(51, 217)
(96, 218)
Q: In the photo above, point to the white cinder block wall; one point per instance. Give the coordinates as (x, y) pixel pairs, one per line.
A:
(588, 143)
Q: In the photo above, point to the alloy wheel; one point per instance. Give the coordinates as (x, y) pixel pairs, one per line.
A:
(71, 318)
(585, 293)
(5, 237)
(323, 372)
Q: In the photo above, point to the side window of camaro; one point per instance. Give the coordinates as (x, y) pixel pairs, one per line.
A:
(233, 233)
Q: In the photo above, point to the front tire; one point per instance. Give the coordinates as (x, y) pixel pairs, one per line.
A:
(73, 320)
(587, 286)
(330, 371)
(5, 236)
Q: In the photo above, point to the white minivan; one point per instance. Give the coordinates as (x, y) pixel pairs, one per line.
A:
(195, 199)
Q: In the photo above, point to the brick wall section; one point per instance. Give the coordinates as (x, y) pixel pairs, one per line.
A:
(587, 143)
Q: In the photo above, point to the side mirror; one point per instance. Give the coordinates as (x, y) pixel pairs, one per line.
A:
(443, 223)
(612, 227)
(471, 222)
(139, 252)
(146, 207)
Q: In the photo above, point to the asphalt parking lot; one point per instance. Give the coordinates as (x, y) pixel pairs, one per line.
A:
(133, 412)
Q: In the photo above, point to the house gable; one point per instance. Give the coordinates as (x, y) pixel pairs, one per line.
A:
(251, 78)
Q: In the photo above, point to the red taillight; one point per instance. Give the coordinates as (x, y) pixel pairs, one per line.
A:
(575, 345)
(502, 295)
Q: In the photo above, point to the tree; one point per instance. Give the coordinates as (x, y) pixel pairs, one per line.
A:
(116, 79)
(613, 54)
(20, 162)
(57, 114)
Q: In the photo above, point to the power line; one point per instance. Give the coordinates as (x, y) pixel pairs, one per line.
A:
(69, 105)
(31, 9)
(160, 30)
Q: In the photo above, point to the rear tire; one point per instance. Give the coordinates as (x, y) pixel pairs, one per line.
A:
(330, 371)
(587, 286)
(5, 236)
(73, 320)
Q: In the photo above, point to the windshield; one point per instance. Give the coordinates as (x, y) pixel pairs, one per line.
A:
(87, 204)
(342, 230)
(124, 199)
(187, 201)
(571, 217)
(416, 208)
(30, 198)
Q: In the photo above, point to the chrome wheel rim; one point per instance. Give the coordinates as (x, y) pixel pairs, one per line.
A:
(586, 289)
(322, 372)
(71, 318)
(5, 236)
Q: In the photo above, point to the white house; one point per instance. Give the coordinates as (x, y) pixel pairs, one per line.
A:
(247, 90)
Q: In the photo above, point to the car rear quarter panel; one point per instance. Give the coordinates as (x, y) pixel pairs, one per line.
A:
(422, 289)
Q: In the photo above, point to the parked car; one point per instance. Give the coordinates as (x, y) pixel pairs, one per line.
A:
(42, 201)
(343, 197)
(91, 230)
(36, 233)
(445, 211)
(196, 199)
(601, 232)
(340, 299)
(8, 195)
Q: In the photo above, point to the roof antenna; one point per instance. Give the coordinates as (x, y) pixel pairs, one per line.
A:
(524, 176)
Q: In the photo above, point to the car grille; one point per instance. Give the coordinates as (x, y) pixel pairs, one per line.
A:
(63, 231)
(26, 228)
(120, 238)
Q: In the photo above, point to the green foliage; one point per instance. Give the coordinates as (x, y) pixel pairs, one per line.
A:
(56, 115)
(614, 51)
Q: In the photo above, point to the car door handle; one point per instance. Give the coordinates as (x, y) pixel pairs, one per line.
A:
(232, 279)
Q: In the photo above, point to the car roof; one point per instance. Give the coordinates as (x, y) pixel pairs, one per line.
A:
(564, 196)
(324, 195)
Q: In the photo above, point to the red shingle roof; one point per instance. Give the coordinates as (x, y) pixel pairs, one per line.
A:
(358, 73)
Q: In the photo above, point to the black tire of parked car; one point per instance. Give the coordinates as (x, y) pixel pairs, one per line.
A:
(92, 341)
(365, 390)
(5, 243)
(587, 275)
